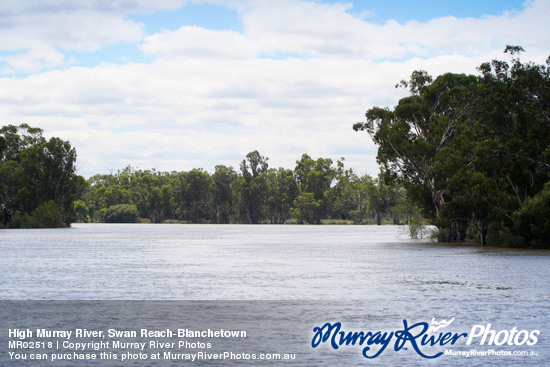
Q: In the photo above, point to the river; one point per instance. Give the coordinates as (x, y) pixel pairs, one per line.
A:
(377, 271)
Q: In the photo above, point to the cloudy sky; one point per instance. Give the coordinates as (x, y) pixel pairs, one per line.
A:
(176, 84)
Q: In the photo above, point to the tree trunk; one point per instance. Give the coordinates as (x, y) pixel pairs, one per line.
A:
(7, 214)
(438, 200)
(482, 232)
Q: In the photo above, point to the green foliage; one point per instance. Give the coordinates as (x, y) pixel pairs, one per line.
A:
(196, 195)
(37, 177)
(532, 221)
(315, 192)
(282, 189)
(472, 150)
(120, 213)
(417, 229)
(46, 215)
(81, 212)
(306, 208)
(222, 187)
(314, 177)
(254, 187)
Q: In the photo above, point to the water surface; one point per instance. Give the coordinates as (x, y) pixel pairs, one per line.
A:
(376, 274)
(146, 261)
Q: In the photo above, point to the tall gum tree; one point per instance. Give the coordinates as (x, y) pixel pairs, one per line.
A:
(410, 136)
(477, 146)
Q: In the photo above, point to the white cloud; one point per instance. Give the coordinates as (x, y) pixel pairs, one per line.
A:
(328, 30)
(35, 33)
(207, 99)
(192, 41)
(32, 60)
(184, 113)
(50, 27)
(54, 6)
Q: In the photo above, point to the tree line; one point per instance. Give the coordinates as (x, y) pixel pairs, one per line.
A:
(473, 152)
(316, 190)
(39, 187)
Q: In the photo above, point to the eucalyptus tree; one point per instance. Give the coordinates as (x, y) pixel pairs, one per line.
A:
(254, 186)
(222, 188)
(421, 125)
(282, 189)
(474, 148)
(38, 180)
(314, 178)
(196, 196)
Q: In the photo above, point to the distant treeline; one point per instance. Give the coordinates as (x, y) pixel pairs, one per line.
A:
(39, 187)
(315, 190)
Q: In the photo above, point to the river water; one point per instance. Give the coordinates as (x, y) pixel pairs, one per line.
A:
(373, 273)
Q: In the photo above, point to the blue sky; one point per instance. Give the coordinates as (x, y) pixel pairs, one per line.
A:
(378, 11)
(182, 84)
(402, 11)
(217, 17)
(202, 15)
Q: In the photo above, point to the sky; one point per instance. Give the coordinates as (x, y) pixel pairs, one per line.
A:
(182, 84)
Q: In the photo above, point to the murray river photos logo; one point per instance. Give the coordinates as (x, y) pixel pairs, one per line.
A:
(421, 337)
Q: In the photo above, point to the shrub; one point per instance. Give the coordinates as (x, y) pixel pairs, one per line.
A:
(47, 215)
(532, 221)
(81, 211)
(121, 213)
